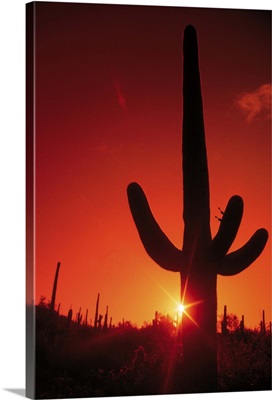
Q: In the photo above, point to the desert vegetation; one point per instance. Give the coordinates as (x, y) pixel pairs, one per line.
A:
(77, 359)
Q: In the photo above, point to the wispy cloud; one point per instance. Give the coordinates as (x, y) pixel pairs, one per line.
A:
(105, 149)
(256, 103)
(109, 149)
(120, 97)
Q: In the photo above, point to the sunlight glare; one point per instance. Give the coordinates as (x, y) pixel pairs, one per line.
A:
(181, 308)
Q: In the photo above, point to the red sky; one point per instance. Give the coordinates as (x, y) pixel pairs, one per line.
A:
(108, 112)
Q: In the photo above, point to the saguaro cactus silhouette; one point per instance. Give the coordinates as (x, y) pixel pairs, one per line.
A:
(54, 291)
(202, 257)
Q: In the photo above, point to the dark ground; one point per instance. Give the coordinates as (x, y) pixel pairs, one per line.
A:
(73, 360)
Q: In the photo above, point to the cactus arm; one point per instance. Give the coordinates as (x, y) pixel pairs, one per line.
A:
(228, 228)
(237, 261)
(155, 242)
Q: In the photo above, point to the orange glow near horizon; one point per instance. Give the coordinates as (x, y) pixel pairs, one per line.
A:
(108, 112)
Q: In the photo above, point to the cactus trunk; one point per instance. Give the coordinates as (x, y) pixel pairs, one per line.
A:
(198, 277)
(199, 334)
(196, 211)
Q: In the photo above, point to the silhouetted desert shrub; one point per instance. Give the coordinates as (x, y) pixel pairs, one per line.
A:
(84, 362)
(244, 364)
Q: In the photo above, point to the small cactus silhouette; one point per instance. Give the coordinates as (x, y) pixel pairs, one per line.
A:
(224, 322)
(96, 311)
(242, 326)
(69, 317)
(54, 291)
(105, 326)
(202, 257)
(262, 323)
(79, 316)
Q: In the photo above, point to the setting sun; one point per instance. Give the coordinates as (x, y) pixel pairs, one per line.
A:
(181, 308)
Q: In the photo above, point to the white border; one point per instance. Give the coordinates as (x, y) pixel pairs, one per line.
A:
(12, 209)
